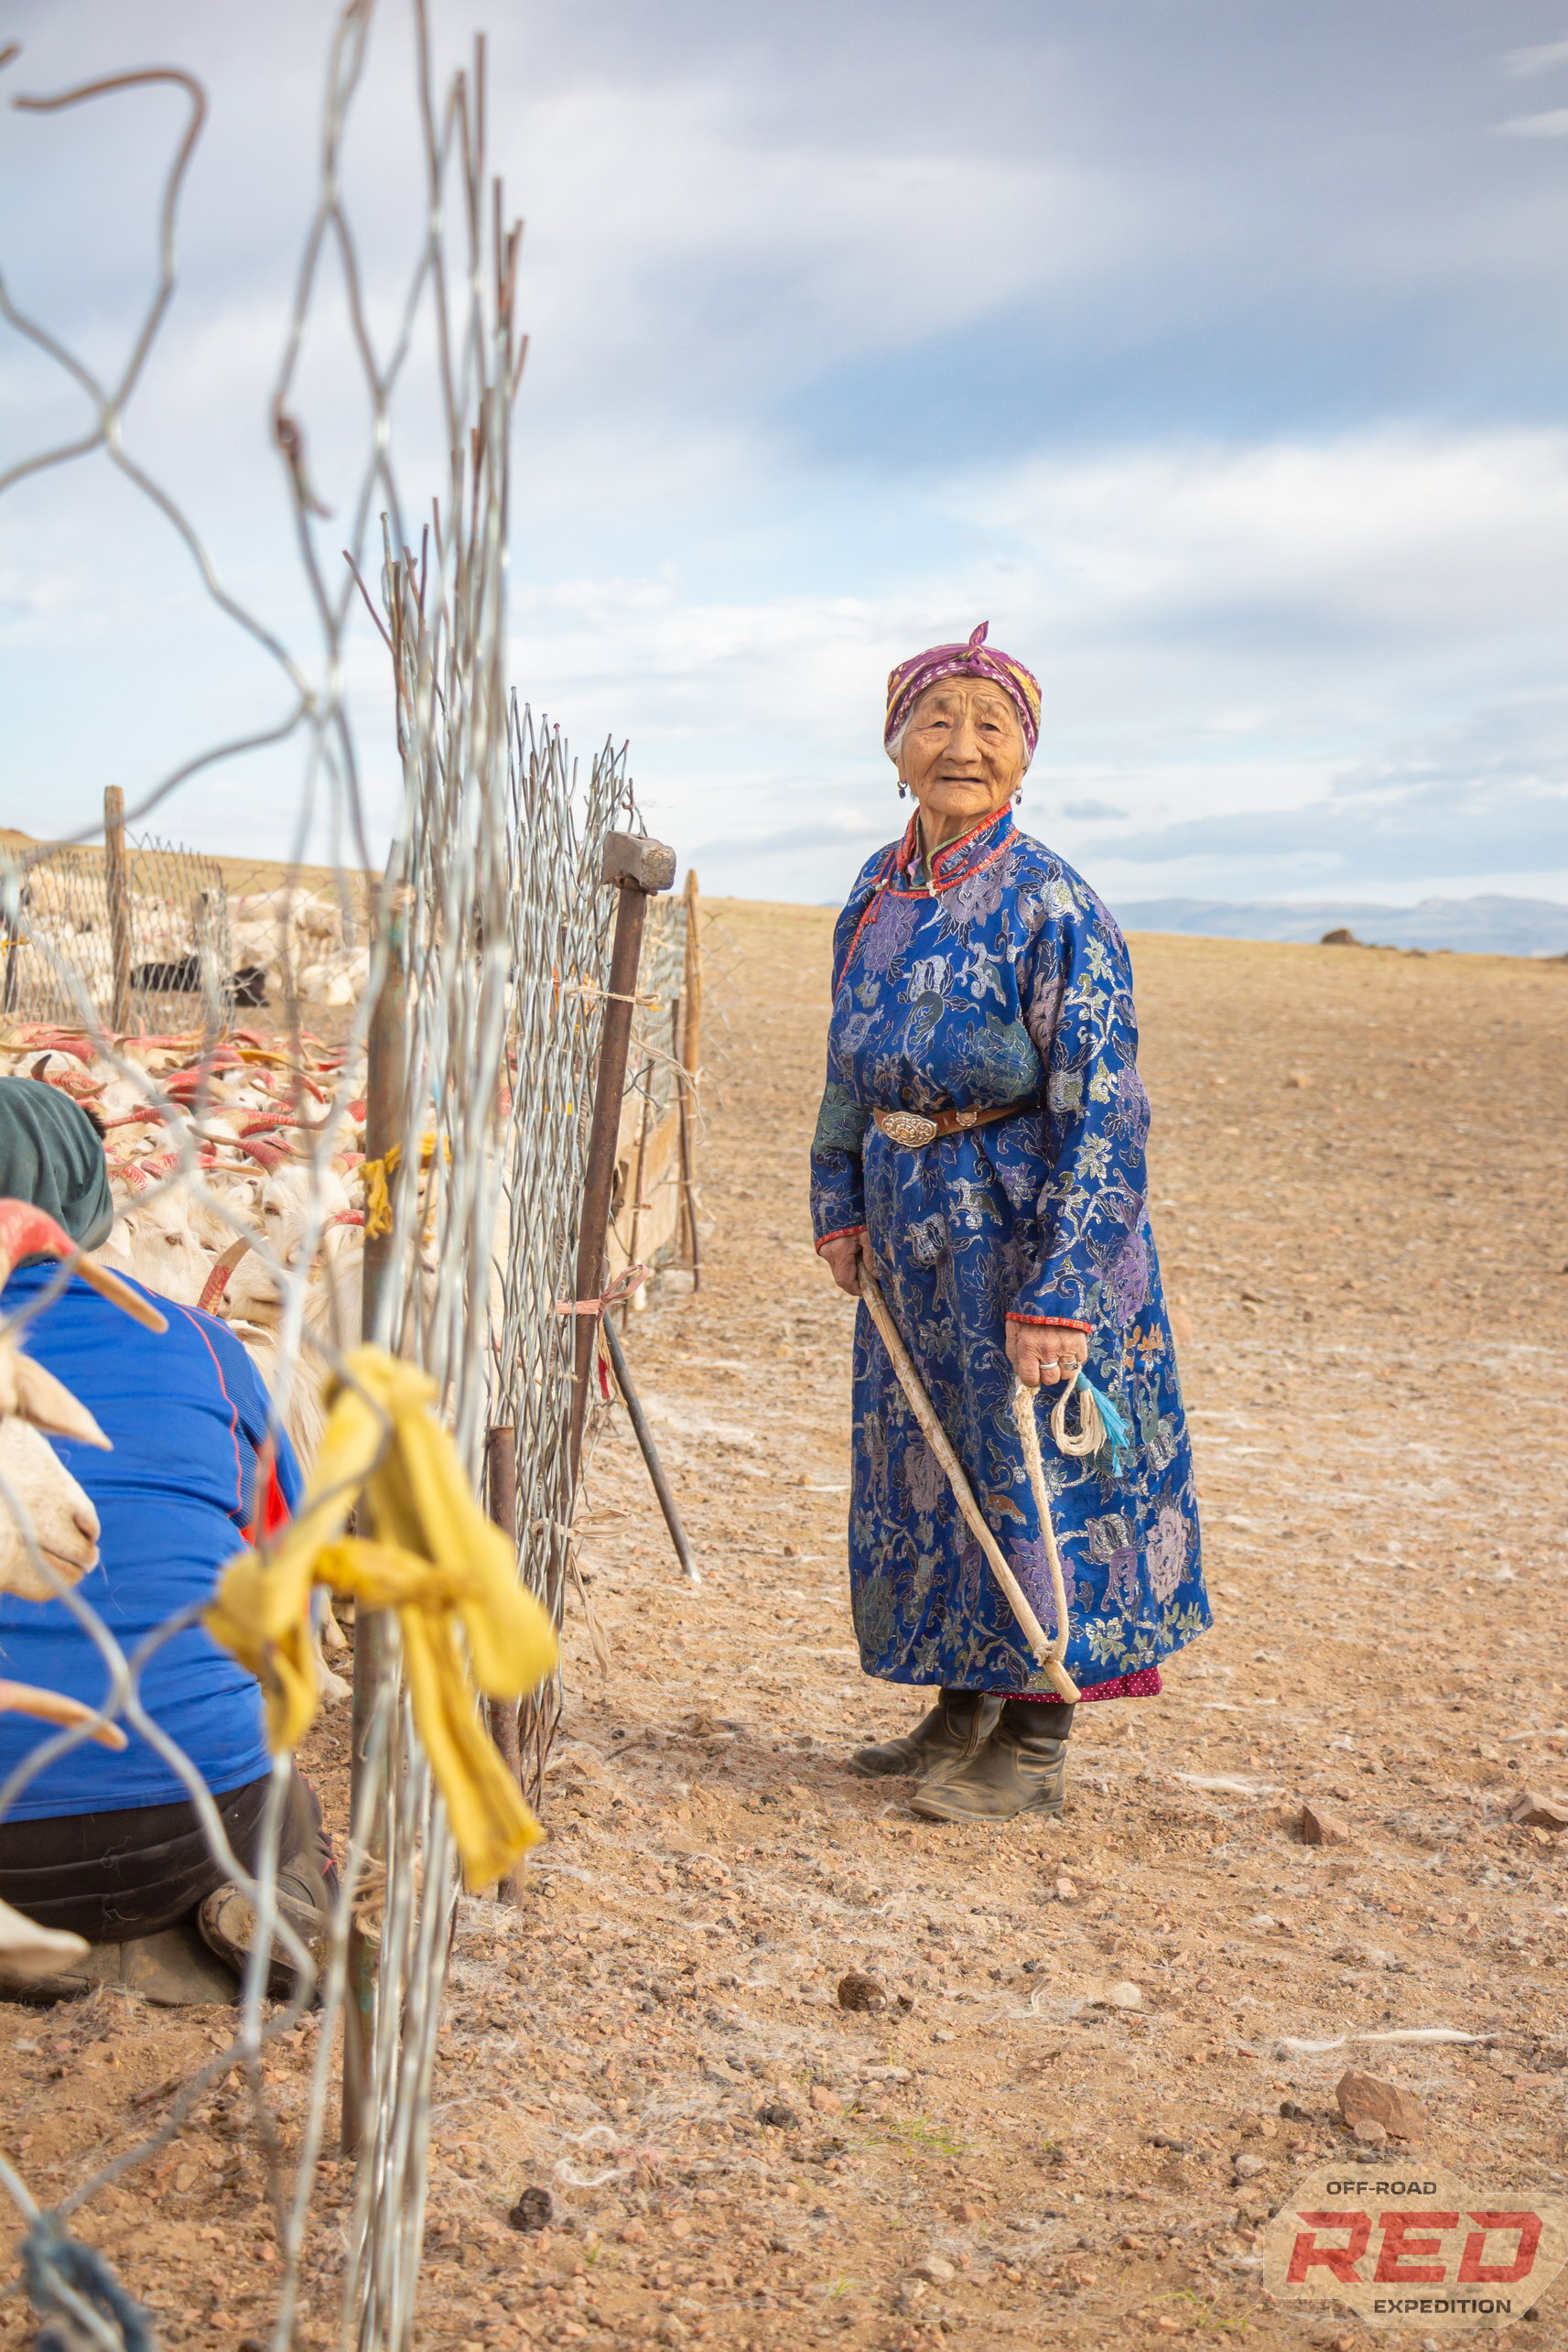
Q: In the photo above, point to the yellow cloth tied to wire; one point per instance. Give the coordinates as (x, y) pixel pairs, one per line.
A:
(432, 1556)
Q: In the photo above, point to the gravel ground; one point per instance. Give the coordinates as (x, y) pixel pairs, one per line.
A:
(1357, 1162)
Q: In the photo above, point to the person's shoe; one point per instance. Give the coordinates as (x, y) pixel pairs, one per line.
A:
(1021, 1768)
(958, 1726)
(227, 1922)
(173, 1969)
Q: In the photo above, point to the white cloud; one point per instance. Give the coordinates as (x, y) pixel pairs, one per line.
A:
(1527, 62)
(1265, 622)
(1552, 125)
(1228, 640)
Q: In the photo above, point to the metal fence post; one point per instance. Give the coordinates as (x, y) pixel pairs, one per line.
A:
(638, 868)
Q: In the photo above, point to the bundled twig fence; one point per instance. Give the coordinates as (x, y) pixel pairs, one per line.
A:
(654, 1201)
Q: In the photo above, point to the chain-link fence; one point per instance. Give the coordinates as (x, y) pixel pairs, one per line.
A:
(140, 942)
(410, 1170)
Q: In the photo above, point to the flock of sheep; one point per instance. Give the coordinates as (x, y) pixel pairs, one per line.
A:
(255, 1120)
(297, 940)
(274, 947)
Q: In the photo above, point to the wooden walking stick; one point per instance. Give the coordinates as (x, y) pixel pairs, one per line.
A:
(1049, 1655)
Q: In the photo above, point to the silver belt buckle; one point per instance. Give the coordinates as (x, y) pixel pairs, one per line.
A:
(905, 1127)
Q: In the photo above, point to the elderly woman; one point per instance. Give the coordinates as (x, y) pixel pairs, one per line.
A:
(979, 982)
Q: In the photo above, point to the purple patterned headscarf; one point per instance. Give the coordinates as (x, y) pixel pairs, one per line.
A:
(909, 681)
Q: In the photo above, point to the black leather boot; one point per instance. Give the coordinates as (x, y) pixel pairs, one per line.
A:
(958, 1726)
(1022, 1768)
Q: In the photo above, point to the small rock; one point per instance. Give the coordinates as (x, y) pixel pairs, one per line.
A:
(681, 2226)
(1369, 2132)
(1246, 2168)
(1294, 2114)
(964, 2211)
(1065, 1890)
(1532, 1812)
(861, 1992)
(1319, 1826)
(936, 2269)
(535, 2209)
(635, 2234)
(781, 2118)
(1122, 1995)
(942, 2035)
(1368, 2097)
(824, 2101)
(1298, 1079)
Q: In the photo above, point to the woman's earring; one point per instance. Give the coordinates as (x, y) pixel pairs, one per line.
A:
(902, 789)
(1018, 796)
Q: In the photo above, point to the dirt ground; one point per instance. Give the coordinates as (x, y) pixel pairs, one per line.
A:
(1357, 1166)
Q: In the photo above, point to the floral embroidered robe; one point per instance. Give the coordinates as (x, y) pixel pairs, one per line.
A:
(1000, 978)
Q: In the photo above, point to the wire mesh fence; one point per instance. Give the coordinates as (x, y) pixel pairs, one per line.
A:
(388, 1149)
(144, 943)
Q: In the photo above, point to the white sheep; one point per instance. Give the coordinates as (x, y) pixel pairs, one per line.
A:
(60, 1515)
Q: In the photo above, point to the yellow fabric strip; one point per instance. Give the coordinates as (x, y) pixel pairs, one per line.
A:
(433, 1557)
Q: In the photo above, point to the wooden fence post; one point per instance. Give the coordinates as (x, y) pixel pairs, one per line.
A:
(501, 1496)
(116, 884)
(689, 1047)
(387, 1049)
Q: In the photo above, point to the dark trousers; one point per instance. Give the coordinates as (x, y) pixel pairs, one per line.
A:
(115, 1876)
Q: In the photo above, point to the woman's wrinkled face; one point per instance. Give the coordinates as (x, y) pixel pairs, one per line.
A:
(962, 754)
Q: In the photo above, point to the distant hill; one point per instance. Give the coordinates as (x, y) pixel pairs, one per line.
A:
(1473, 926)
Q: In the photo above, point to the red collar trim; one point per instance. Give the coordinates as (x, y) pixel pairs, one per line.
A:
(989, 840)
(955, 861)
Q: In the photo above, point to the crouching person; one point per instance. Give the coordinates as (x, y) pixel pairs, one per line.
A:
(107, 1845)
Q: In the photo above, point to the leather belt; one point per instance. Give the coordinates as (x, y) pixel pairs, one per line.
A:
(914, 1129)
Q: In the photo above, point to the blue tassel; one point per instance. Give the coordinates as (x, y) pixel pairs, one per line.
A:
(1117, 1429)
(53, 2260)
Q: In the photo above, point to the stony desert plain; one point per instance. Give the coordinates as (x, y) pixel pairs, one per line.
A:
(1358, 1177)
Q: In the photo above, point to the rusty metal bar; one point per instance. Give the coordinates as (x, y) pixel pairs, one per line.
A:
(638, 868)
(656, 1469)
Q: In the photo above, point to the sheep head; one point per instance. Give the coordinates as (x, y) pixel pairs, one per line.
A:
(61, 1523)
(27, 1232)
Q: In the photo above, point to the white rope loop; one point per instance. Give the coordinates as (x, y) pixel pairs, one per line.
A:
(1091, 1434)
(1024, 1413)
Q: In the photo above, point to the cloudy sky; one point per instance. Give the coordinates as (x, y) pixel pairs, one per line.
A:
(1212, 349)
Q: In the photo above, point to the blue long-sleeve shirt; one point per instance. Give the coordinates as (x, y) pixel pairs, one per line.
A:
(185, 1415)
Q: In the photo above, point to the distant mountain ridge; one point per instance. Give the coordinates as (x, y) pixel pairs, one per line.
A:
(1473, 926)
